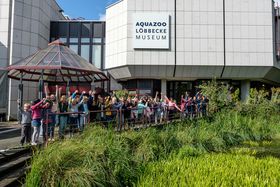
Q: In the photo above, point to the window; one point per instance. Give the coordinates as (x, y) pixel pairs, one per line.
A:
(64, 40)
(85, 40)
(85, 52)
(97, 30)
(132, 84)
(145, 84)
(74, 30)
(54, 30)
(96, 55)
(62, 29)
(74, 48)
(85, 33)
(97, 40)
(85, 30)
(73, 40)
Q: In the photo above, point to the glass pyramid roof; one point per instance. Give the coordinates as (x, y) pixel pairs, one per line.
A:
(58, 63)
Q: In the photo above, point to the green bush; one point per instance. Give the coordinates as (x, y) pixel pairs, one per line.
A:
(101, 157)
(260, 104)
(213, 170)
(218, 95)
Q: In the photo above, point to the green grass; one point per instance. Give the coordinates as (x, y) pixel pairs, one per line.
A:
(105, 158)
(213, 170)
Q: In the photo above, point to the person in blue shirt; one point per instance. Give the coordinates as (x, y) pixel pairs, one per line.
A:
(74, 105)
(85, 110)
(141, 106)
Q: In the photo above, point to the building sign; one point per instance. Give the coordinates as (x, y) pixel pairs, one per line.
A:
(151, 31)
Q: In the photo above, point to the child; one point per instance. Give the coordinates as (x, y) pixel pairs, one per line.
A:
(36, 120)
(83, 117)
(74, 117)
(26, 119)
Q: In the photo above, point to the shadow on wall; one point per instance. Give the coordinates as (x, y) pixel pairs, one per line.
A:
(3, 83)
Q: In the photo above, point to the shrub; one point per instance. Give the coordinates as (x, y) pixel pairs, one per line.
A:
(219, 95)
(101, 157)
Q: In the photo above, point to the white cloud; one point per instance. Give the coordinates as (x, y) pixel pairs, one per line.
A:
(102, 17)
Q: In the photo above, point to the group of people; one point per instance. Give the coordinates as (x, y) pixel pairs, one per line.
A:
(77, 109)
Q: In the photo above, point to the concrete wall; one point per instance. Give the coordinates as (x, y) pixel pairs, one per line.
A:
(30, 31)
(116, 35)
(119, 41)
(249, 33)
(4, 32)
(4, 55)
(249, 40)
(200, 48)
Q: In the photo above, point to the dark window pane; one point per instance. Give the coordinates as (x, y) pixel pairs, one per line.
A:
(85, 52)
(62, 30)
(132, 84)
(98, 30)
(145, 84)
(74, 30)
(85, 30)
(54, 29)
(74, 48)
(96, 55)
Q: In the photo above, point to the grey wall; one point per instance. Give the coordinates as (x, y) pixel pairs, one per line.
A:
(4, 49)
(249, 44)
(29, 32)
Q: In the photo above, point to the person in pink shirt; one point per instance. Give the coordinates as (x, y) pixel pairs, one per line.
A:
(36, 108)
(172, 106)
(183, 106)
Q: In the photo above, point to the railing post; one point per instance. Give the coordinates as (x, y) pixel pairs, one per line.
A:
(120, 119)
(47, 129)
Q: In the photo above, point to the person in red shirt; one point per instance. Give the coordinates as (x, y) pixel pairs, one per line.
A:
(36, 108)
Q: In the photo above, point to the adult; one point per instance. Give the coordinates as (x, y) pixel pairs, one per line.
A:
(63, 118)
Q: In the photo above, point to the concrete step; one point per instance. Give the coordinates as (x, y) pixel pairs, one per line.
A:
(10, 155)
(13, 171)
(14, 165)
(16, 178)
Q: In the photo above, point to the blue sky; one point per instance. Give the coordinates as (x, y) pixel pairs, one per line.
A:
(88, 9)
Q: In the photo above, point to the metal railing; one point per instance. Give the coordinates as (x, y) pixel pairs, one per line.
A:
(119, 120)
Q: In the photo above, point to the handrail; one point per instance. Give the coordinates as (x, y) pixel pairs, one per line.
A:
(131, 117)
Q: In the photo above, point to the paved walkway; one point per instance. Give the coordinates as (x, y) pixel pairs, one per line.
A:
(9, 135)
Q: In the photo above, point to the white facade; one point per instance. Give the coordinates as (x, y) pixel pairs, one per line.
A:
(234, 40)
(24, 28)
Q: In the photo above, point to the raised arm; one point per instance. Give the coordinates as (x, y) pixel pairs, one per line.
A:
(82, 95)
(80, 103)
(74, 95)
(47, 91)
(176, 106)
(37, 105)
(57, 94)
(183, 99)
(166, 98)
(155, 99)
